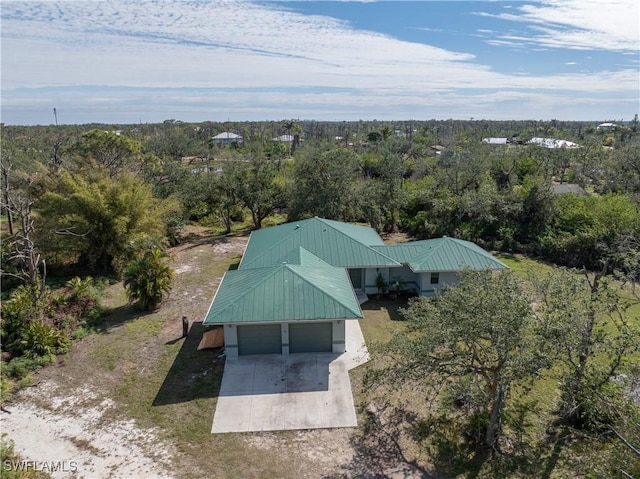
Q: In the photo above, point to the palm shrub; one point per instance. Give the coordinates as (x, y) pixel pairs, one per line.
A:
(40, 339)
(28, 303)
(147, 279)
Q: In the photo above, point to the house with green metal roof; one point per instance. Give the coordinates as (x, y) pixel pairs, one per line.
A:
(299, 282)
(429, 265)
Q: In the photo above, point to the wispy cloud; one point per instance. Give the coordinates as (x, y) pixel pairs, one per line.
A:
(220, 43)
(218, 59)
(579, 24)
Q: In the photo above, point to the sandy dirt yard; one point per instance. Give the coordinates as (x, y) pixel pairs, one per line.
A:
(134, 400)
(58, 430)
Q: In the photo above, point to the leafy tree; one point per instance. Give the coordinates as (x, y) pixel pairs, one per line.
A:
(109, 150)
(583, 228)
(374, 137)
(386, 132)
(147, 279)
(226, 198)
(198, 195)
(476, 337)
(98, 218)
(587, 328)
(323, 184)
(371, 210)
(258, 190)
(538, 208)
(477, 210)
(171, 141)
(392, 170)
(622, 170)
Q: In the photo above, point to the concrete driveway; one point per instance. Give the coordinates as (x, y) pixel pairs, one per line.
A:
(299, 391)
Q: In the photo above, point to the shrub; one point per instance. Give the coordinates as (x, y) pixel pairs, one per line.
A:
(147, 279)
(18, 368)
(81, 289)
(41, 339)
(26, 304)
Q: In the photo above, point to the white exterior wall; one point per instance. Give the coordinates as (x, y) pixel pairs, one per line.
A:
(446, 278)
(339, 336)
(407, 278)
(371, 274)
(230, 340)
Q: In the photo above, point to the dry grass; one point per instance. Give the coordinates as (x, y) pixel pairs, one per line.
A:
(140, 362)
(152, 375)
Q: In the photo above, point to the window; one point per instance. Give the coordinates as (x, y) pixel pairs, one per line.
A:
(435, 278)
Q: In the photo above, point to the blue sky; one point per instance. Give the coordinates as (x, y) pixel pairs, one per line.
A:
(148, 61)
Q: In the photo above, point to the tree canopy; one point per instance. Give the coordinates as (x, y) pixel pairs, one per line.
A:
(99, 218)
(475, 339)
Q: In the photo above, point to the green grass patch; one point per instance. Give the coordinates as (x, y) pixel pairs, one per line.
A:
(381, 320)
(535, 448)
(524, 266)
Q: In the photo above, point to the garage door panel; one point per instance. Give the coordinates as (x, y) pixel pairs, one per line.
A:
(310, 338)
(259, 339)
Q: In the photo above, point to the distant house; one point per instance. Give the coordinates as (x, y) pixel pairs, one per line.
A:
(436, 150)
(226, 138)
(284, 138)
(495, 141)
(552, 143)
(299, 282)
(606, 126)
(565, 188)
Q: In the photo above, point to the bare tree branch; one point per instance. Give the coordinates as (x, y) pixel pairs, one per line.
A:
(626, 443)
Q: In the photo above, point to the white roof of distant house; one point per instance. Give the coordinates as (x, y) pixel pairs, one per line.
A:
(564, 188)
(284, 138)
(227, 135)
(606, 125)
(495, 141)
(553, 143)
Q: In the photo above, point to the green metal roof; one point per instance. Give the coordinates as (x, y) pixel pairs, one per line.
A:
(363, 234)
(405, 252)
(301, 256)
(284, 293)
(339, 244)
(441, 254)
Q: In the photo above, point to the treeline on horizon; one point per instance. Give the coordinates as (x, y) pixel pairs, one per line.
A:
(425, 178)
(107, 201)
